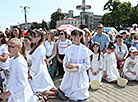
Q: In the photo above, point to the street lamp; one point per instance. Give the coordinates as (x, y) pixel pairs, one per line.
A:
(25, 15)
(83, 7)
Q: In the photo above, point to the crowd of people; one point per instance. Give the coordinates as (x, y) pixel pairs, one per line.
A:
(29, 63)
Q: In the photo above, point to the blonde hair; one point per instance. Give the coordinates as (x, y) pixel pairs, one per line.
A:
(87, 30)
(16, 42)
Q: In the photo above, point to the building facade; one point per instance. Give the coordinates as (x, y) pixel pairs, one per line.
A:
(73, 21)
(93, 20)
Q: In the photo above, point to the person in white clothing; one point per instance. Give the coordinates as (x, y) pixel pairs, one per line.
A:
(75, 81)
(96, 69)
(51, 52)
(38, 73)
(27, 46)
(18, 85)
(131, 65)
(62, 44)
(4, 61)
(111, 73)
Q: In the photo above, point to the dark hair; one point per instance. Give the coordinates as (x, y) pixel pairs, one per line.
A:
(20, 32)
(111, 45)
(29, 37)
(76, 32)
(123, 33)
(119, 36)
(3, 41)
(40, 33)
(99, 51)
(23, 51)
(64, 33)
(100, 24)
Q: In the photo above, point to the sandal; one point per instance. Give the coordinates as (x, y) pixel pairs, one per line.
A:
(42, 98)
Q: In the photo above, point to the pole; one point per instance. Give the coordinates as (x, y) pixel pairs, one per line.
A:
(83, 12)
(25, 15)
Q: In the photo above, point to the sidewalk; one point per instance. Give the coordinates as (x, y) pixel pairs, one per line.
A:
(109, 92)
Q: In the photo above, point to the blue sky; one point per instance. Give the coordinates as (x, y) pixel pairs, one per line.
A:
(12, 14)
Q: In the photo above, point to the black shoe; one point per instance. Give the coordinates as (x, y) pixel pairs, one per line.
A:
(60, 95)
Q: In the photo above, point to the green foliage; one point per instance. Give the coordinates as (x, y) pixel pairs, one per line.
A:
(119, 14)
(44, 25)
(86, 19)
(55, 17)
(36, 25)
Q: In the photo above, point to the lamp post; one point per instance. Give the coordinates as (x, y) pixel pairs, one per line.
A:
(83, 7)
(25, 15)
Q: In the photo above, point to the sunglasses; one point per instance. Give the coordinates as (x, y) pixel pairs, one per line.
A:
(10, 46)
(61, 33)
(99, 27)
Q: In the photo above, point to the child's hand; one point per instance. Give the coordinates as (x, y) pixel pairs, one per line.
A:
(4, 95)
(105, 74)
(60, 61)
(69, 66)
(94, 73)
(134, 73)
(29, 76)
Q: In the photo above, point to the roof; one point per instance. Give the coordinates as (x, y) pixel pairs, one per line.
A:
(73, 19)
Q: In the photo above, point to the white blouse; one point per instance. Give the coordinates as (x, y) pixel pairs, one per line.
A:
(49, 47)
(63, 45)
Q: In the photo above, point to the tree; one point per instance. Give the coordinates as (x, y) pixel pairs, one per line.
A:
(44, 25)
(86, 19)
(36, 25)
(119, 14)
(55, 17)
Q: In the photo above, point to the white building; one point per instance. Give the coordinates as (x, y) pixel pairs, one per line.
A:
(73, 21)
(93, 20)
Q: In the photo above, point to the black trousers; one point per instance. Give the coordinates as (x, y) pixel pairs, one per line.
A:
(60, 65)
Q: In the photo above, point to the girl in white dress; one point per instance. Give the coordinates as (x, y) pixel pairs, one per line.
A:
(95, 71)
(27, 48)
(131, 65)
(4, 61)
(75, 81)
(18, 85)
(51, 52)
(40, 78)
(110, 64)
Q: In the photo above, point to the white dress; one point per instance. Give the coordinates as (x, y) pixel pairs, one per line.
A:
(41, 80)
(4, 65)
(18, 84)
(75, 84)
(133, 68)
(49, 47)
(110, 66)
(95, 64)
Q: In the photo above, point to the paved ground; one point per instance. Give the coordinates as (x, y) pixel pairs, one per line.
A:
(109, 92)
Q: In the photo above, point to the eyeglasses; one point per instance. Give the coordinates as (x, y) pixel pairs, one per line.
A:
(9, 46)
(99, 27)
(61, 33)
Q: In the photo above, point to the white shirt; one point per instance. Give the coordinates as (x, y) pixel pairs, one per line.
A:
(49, 47)
(122, 51)
(18, 84)
(63, 45)
(75, 84)
(4, 49)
